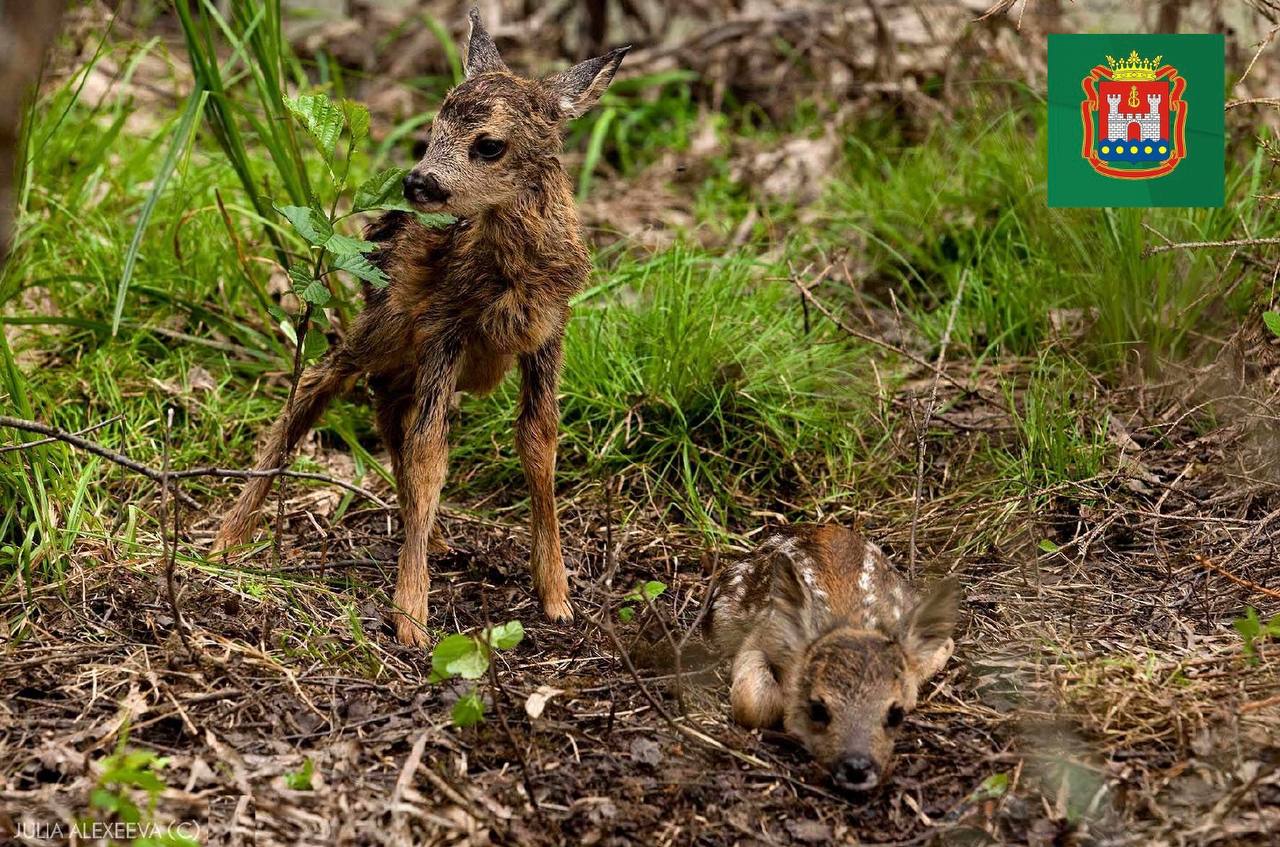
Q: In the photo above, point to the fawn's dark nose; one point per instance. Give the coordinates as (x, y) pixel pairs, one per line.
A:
(423, 188)
(855, 773)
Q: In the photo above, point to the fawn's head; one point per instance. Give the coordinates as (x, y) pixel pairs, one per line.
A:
(851, 688)
(496, 133)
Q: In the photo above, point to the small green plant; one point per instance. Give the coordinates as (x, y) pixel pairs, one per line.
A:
(300, 780)
(1252, 629)
(326, 122)
(125, 772)
(468, 657)
(1272, 320)
(643, 593)
(991, 788)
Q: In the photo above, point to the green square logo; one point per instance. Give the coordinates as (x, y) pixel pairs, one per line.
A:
(1136, 120)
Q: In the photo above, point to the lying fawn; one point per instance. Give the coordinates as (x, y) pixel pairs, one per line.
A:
(831, 643)
(463, 304)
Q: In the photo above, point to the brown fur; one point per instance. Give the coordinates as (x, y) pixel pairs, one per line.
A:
(831, 643)
(464, 304)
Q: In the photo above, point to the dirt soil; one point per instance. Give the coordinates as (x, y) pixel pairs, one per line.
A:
(1096, 695)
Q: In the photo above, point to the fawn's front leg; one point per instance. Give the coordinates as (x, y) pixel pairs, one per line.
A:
(755, 694)
(420, 477)
(536, 429)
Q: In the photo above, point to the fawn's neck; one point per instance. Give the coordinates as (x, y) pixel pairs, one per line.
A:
(538, 231)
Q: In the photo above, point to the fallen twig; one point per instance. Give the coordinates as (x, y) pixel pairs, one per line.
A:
(1239, 580)
(157, 477)
(923, 430)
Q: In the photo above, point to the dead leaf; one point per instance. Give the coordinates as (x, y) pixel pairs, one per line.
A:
(538, 700)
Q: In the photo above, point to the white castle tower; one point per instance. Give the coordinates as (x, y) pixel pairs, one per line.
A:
(1118, 122)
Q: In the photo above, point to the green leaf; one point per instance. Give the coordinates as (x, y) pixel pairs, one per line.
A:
(646, 592)
(1249, 629)
(182, 136)
(310, 223)
(341, 245)
(359, 266)
(435, 220)
(321, 119)
(468, 711)
(1048, 546)
(992, 787)
(626, 613)
(357, 120)
(459, 655)
(315, 293)
(1272, 320)
(379, 189)
(505, 636)
(300, 780)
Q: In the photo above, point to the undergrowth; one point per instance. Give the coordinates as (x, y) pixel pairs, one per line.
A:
(692, 375)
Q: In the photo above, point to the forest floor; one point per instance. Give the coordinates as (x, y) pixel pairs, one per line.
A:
(1084, 434)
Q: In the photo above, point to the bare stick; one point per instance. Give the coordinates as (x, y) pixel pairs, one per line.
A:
(1201, 245)
(893, 348)
(303, 322)
(1253, 101)
(124, 461)
(923, 429)
(40, 442)
(500, 702)
(170, 551)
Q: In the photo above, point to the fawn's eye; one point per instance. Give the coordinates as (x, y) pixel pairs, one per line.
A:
(818, 714)
(489, 149)
(894, 716)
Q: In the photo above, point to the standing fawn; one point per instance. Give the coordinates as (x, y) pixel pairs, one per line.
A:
(463, 304)
(830, 642)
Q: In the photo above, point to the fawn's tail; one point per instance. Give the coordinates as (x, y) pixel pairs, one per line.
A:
(317, 386)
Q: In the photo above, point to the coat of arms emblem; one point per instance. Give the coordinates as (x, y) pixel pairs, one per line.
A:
(1134, 118)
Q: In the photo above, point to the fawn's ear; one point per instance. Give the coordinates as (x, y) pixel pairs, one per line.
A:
(926, 634)
(579, 88)
(482, 55)
(792, 590)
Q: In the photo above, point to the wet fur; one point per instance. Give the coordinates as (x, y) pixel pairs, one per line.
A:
(465, 304)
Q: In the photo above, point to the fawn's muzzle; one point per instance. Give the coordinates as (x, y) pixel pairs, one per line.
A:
(855, 773)
(424, 188)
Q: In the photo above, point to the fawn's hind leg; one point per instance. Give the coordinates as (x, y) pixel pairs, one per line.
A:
(316, 387)
(536, 429)
(420, 478)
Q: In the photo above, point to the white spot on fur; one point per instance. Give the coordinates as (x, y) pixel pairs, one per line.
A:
(897, 611)
(869, 599)
(864, 581)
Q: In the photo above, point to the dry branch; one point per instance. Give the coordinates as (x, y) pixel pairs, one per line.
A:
(159, 477)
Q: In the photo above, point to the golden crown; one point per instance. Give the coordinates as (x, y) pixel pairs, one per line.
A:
(1134, 68)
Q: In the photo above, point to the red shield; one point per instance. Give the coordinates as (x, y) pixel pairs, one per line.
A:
(1134, 129)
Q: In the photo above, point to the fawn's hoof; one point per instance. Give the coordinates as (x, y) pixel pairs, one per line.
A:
(558, 610)
(222, 543)
(409, 632)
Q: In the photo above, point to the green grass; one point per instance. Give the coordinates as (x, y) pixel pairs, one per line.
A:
(690, 375)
